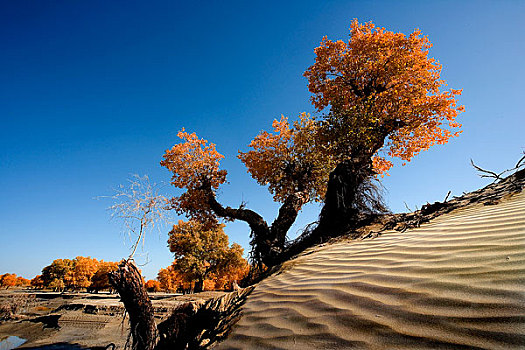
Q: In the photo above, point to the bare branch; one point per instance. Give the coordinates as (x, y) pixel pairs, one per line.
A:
(140, 208)
(491, 174)
(520, 162)
(485, 173)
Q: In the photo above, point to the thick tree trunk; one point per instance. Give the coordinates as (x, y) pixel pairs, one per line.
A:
(128, 283)
(340, 210)
(344, 201)
(199, 285)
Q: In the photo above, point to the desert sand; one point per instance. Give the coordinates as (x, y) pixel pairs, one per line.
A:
(456, 282)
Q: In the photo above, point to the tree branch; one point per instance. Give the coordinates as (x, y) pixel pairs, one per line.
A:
(496, 177)
(252, 218)
(269, 241)
(287, 214)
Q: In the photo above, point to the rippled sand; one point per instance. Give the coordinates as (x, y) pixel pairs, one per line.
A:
(457, 282)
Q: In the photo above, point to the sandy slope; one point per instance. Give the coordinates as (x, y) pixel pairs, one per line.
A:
(457, 282)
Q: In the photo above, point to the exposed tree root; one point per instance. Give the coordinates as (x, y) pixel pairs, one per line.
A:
(191, 325)
(130, 286)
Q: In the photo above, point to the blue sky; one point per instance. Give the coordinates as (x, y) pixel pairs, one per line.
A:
(94, 91)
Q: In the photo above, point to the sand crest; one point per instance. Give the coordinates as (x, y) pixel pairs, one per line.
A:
(457, 282)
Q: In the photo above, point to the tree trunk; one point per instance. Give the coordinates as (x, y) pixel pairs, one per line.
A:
(199, 285)
(129, 284)
(340, 210)
(268, 241)
(287, 214)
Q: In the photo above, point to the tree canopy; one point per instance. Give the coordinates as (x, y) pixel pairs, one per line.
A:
(378, 97)
(8, 280)
(79, 273)
(201, 252)
(383, 92)
(170, 279)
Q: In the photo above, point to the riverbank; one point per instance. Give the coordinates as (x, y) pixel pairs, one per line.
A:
(79, 320)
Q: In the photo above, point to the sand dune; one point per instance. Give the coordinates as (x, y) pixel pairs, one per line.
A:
(457, 282)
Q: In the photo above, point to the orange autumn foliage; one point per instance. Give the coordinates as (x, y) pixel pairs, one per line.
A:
(170, 279)
(37, 282)
(8, 280)
(226, 279)
(384, 94)
(11, 280)
(79, 273)
(289, 160)
(204, 254)
(84, 268)
(100, 280)
(153, 286)
(22, 282)
(379, 97)
(194, 164)
(384, 97)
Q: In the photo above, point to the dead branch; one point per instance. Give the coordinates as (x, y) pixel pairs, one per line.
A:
(140, 208)
(497, 177)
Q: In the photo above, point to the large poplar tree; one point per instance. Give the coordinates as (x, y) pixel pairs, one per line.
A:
(379, 97)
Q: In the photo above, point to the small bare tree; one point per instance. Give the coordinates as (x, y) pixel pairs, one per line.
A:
(140, 208)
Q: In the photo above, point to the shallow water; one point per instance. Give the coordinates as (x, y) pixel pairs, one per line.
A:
(11, 342)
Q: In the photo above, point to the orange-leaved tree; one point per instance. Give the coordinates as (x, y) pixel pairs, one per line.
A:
(230, 274)
(384, 100)
(170, 279)
(37, 282)
(84, 268)
(8, 280)
(100, 280)
(153, 286)
(384, 94)
(286, 160)
(54, 274)
(22, 282)
(379, 97)
(201, 252)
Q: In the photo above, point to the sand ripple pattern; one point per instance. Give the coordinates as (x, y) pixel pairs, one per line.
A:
(457, 282)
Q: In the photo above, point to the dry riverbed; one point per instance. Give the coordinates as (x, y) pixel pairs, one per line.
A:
(77, 320)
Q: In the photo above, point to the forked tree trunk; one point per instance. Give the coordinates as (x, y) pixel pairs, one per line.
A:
(128, 283)
(268, 241)
(340, 212)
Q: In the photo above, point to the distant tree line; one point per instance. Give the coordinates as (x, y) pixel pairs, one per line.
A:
(204, 261)
(81, 273)
(12, 280)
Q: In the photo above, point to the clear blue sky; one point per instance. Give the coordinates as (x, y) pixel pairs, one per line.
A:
(92, 91)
